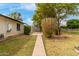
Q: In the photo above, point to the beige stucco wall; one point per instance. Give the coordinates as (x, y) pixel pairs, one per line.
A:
(3, 27)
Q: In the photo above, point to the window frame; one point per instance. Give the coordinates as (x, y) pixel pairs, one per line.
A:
(18, 27)
(9, 27)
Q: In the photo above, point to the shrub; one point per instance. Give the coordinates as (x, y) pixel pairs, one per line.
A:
(27, 30)
(48, 27)
(73, 23)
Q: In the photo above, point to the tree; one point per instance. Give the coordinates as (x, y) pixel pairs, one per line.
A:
(15, 15)
(39, 14)
(37, 21)
(59, 11)
(73, 23)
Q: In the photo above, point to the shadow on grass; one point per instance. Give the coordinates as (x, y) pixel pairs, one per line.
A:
(58, 37)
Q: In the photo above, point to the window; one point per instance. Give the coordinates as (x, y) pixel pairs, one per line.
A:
(9, 27)
(18, 27)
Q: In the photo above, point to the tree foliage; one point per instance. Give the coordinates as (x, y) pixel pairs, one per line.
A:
(73, 23)
(15, 15)
(59, 11)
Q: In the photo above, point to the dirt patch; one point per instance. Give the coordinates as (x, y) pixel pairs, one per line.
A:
(61, 37)
(63, 45)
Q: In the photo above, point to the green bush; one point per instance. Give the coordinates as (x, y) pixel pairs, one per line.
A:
(73, 23)
(48, 27)
(27, 30)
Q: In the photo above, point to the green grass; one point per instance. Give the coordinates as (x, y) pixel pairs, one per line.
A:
(61, 47)
(76, 32)
(73, 32)
(21, 45)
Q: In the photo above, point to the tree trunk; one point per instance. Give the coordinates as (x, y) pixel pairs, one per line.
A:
(58, 30)
(59, 27)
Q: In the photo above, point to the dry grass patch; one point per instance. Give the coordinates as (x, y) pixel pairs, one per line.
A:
(21, 45)
(63, 46)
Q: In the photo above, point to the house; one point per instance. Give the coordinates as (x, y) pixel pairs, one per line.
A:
(9, 26)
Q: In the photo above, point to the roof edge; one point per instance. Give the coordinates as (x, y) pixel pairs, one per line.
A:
(12, 18)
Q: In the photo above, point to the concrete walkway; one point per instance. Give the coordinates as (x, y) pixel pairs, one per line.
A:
(39, 47)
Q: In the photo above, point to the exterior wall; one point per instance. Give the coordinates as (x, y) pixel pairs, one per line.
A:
(3, 27)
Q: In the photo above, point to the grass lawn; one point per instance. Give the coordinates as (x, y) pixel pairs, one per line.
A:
(76, 32)
(63, 46)
(73, 32)
(21, 45)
